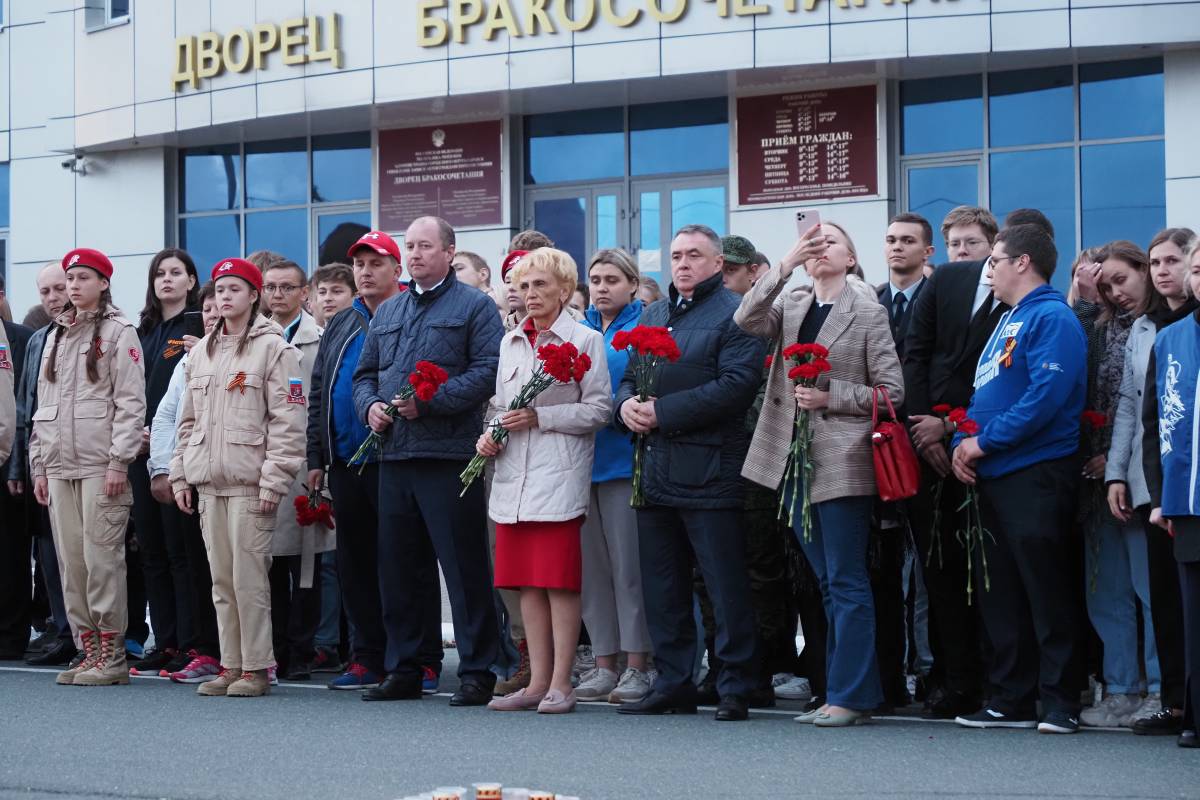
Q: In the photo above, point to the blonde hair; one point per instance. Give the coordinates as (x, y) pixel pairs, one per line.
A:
(555, 262)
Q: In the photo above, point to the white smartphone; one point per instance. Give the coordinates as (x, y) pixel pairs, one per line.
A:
(806, 218)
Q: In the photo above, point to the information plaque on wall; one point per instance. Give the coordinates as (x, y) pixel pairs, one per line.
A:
(802, 146)
(448, 171)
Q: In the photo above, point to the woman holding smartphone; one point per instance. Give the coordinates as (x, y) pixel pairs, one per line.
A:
(171, 291)
(87, 430)
(241, 444)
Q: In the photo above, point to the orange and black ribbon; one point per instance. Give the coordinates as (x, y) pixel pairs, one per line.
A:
(1010, 344)
(174, 348)
(96, 344)
(238, 382)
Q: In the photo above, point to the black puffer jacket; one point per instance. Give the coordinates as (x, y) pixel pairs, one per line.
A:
(694, 458)
(456, 327)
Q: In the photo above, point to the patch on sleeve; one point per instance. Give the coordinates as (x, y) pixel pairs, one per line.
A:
(4, 362)
(1053, 366)
(295, 391)
(135, 354)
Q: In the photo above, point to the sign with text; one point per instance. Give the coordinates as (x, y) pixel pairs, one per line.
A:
(448, 171)
(802, 146)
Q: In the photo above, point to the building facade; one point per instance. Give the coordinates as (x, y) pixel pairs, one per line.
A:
(226, 126)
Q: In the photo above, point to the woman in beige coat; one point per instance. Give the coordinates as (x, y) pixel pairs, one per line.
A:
(543, 478)
(854, 328)
(86, 431)
(241, 445)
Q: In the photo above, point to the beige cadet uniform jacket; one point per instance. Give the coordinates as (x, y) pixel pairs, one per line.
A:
(241, 425)
(8, 398)
(80, 428)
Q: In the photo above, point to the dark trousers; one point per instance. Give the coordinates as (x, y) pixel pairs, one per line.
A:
(16, 575)
(886, 562)
(295, 612)
(135, 589)
(356, 507)
(421, 514)
(668, 539)
(1166, 610)
(953, 624)
(1033, 611)
(1189, 581)
(186, 529)
(164, 563)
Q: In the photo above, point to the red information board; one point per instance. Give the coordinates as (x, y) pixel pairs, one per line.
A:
(448, 171)
(803, 146)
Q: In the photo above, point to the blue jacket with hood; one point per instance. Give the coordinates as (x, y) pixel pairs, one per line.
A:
(614, 448)
(1030, 385)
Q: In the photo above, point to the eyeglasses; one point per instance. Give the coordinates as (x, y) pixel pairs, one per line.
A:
(954, 244)
(1003, 258)
(280, 288)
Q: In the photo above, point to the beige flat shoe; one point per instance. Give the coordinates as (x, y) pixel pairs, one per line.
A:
(841, 718)
(558, 703)
(809, 717)
(520, 700)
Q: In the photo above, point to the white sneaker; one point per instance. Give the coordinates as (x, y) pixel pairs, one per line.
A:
(794, 689)
(1113, 711)
(596, 684)
(1149, 707)
(634, 686)
(585, 661)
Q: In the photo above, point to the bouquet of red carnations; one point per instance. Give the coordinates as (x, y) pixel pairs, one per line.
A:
(811, 361)
(423, 383)
(313, 509)
(649, 347)
(559, 363)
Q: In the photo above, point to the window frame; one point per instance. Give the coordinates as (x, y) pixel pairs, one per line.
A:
(98, 16)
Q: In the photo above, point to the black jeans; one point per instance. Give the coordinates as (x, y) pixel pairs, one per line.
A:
(186, 528)
(886, 567)
(1189, 581)
(356, 508)
(16, 574)
(421, 515)
(1166, 610)
(668, 538)
(1034, 609)
(164, 563)
(295, 612)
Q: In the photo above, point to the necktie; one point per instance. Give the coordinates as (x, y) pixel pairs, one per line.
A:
(899, 303)
(985, 310)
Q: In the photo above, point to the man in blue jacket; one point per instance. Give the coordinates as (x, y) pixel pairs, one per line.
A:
(1030, 386)
(426, 446)
(696, 441)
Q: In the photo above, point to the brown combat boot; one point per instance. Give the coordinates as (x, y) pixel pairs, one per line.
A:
(91, 648)
(520, 678)
(220, 684)
(253, 683)
(109, 668)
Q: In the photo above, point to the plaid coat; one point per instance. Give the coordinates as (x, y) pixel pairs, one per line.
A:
(861, 354)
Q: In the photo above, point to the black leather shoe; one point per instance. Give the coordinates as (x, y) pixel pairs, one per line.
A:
(951, 705)
(733, 708)
(395, 687)
(706, 691)
(655, 703)
(472, 693)
(43, 642)
(1188, 739)
(57, 656)
(1160, 723)
(761, 698)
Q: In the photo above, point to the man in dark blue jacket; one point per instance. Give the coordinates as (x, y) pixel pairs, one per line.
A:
(1030, 387)
(696, 441)
(426, 446)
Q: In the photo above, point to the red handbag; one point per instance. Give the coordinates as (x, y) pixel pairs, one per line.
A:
(897, 471)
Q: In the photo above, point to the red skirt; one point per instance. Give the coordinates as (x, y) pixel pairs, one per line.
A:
(542, 555)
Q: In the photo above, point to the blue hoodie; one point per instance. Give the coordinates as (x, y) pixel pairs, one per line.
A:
(348, 431)
(614, 449)
(1030, 385)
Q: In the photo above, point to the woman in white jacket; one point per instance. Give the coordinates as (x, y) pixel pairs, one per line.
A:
(543, 477)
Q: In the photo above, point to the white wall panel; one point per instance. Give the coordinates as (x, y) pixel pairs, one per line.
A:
(43, 211)
(932, 36)
(91, 129)
(154, 118)
(869, 40)
(193, 111)
(395, 35)
(338, 90)
(31, 100)
(154, 43)
(227, 16)
(192, 18)
(617, 61)
(236, 103)
(4, 136)
(1183, 202)
(1033, 30)
(27, 143)
(409, 81)
(708, 53)
(103, 68)
(129, 281)
(281, 97)
(481, 74)
(121, 203)
(5, 78)
(775, 47)
(540, 68)
(1095, 27)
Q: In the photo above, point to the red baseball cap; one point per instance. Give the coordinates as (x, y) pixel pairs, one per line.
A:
(378, 241)
(510, 261)
(238, 268)
(87, 257)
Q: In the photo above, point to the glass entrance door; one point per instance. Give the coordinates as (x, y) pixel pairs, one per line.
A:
(326, 220)
(660, 207)
(580, 219)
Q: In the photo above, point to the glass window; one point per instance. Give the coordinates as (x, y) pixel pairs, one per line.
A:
(933, 191)
(210, 178)
(942, 114)
(341, 167)
(209, 239)
(575, 146)
(4, 202)
(1034, 106)
(703, 205)
(4, 259)
(606, 222)
(1123, 98)
(276, 173)
(284, 232)
(118, 9)
(1045, 180)
(1124, 192)
(688, 136)
(328, 223)
(565, 221)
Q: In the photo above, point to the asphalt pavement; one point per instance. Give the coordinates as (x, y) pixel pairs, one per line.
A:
(154, 739)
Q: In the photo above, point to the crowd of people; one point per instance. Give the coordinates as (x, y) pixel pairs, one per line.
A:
(280, 469)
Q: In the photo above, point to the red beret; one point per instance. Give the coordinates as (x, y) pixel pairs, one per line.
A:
(239, 268)
(87, 257)
(378, 241)
(510, 261)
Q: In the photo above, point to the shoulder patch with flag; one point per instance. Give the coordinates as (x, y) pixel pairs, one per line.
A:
(295, 391)
(4, 362)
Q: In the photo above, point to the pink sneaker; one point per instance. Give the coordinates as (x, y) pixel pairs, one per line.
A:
(200, 669)
(272, 678)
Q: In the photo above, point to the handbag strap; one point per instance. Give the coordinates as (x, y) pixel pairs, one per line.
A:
(875, 392)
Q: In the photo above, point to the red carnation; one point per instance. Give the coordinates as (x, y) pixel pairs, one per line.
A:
(804, 372)
(795, 350)
(818, 351)
(821, 364)
(582, 365)
(1094, 419)
(968, 427)
(770, 360)
(957, 416)
(942, 409)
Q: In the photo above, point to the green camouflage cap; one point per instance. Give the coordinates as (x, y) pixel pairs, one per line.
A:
(737, 250)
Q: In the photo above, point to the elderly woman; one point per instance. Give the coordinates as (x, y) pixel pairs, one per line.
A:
(854, 328)
(543, 477)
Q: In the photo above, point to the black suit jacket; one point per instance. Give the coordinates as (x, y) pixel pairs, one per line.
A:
(884, 293)
(941, 347)
(18, 338)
